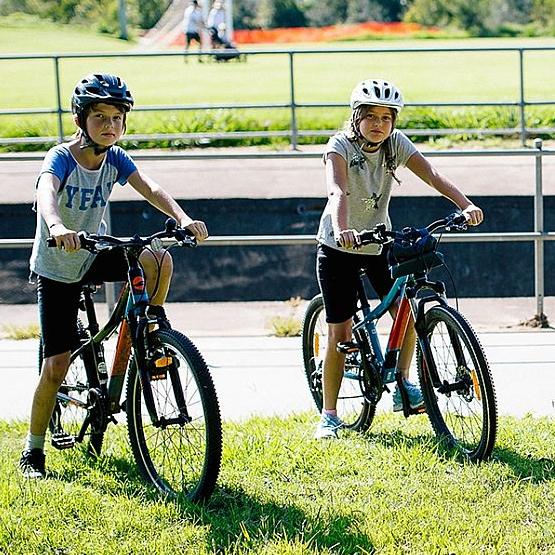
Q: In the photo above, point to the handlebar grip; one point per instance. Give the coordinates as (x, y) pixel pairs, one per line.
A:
(50, 242)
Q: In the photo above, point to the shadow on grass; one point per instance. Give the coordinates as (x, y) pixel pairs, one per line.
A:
(527, 467)
(237, 520)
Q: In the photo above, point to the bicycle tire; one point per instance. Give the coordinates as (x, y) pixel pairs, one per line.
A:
(180, 459)
(352, 407)
(68, 416)
(465, 418)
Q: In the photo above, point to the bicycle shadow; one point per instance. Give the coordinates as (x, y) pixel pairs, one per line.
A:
(233, 516)
(527, 467)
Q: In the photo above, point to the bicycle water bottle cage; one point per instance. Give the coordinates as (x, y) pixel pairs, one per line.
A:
(412, 252)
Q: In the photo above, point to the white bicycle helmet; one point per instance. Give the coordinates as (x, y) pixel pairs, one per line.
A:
(377, 92)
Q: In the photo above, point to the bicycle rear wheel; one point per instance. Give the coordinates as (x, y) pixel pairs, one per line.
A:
(352, 407)
(462, 406)
(180, 455)
(73, 405)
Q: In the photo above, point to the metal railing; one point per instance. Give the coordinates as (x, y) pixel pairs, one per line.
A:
(538, 235)
(292, 104)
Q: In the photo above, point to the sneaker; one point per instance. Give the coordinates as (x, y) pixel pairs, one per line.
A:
(327, 427)
(415, 397)
(31, 464)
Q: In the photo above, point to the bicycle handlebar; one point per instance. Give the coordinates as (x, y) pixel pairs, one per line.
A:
(380, 235)
(97, 243)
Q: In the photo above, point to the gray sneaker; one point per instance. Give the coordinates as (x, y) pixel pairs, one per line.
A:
(327, 427)
(415, 397)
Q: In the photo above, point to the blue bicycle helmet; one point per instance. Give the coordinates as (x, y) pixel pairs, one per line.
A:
(101, 87)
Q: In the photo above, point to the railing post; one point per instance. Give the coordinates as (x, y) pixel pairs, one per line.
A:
(538, 228)
(294, 130)
(522, 102)
(58, 99)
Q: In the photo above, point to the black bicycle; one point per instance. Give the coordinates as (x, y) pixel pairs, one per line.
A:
(454, 374)
(173, 416)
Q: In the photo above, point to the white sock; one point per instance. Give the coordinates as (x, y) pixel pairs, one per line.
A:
(34, 442)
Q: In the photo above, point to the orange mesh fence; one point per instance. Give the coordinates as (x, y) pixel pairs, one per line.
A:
(316, 34)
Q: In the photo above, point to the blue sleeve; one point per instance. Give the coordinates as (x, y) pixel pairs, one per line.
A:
(58, 162)
(124, 164)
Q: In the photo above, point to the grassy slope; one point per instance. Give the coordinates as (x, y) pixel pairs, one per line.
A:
(390, 491)
(437, 76)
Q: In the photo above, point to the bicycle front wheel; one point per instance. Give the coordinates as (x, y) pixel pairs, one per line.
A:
(74, 416)
(461, 404)
(180, 453)
(352, 407)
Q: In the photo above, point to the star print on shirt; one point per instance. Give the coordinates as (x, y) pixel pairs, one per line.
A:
(357, 160)
(372, 203)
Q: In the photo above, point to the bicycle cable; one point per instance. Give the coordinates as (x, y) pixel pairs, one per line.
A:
(449, 273)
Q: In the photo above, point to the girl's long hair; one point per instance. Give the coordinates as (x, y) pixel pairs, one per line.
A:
(352, 131)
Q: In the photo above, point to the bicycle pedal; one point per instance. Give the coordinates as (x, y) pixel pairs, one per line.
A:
(63, 441)
(347, 347)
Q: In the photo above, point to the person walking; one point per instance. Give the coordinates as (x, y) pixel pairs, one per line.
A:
(193, 24)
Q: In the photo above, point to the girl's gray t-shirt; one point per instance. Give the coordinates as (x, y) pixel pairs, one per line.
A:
(368, 187)
(82, 201)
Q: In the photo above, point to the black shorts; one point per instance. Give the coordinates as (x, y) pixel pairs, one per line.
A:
(189, 37)
(58, 302)
(337, 272)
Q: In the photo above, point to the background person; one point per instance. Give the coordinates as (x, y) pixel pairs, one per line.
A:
(72, 193)
(360, 167)
(216, 21)
(193, 23)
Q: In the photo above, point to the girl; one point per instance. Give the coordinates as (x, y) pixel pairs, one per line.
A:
(72, 192)
(360, 167)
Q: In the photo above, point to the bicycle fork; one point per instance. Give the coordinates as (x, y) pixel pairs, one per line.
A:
(152, 368)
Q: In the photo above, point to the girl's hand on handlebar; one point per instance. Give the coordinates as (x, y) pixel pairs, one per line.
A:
(349, 239)
(473, 215)
(65, 238)
(198, 229)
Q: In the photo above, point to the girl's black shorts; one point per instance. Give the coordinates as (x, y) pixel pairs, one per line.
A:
(58, 302)
(338, 272)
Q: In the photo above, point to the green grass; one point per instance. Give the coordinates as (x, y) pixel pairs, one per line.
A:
(435, 77)
(390, 491)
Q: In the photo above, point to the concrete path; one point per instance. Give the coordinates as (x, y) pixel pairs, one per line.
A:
(257, 374)
(284, 178)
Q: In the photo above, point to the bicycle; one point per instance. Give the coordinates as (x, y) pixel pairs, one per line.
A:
(454, 375)
(172, 411)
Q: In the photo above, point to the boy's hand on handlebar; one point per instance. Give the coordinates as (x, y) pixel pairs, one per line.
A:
(65, 238)
(198, 229)
(349, 239)
(473, 215)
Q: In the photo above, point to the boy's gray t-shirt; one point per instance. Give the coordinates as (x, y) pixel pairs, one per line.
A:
(369, 187)
(82, 201)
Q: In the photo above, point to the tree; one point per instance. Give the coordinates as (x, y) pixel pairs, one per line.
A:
(471, 17)
(280, 13)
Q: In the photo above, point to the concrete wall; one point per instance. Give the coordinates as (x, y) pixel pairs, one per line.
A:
(276, 273)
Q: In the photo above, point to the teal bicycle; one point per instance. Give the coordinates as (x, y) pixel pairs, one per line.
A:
(453, 371)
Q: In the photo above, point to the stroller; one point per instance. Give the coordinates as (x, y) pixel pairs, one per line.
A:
(224, 49)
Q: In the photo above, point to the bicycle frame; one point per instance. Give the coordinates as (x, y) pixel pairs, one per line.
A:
(387, 360)
(410, 308)
(133, 315)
